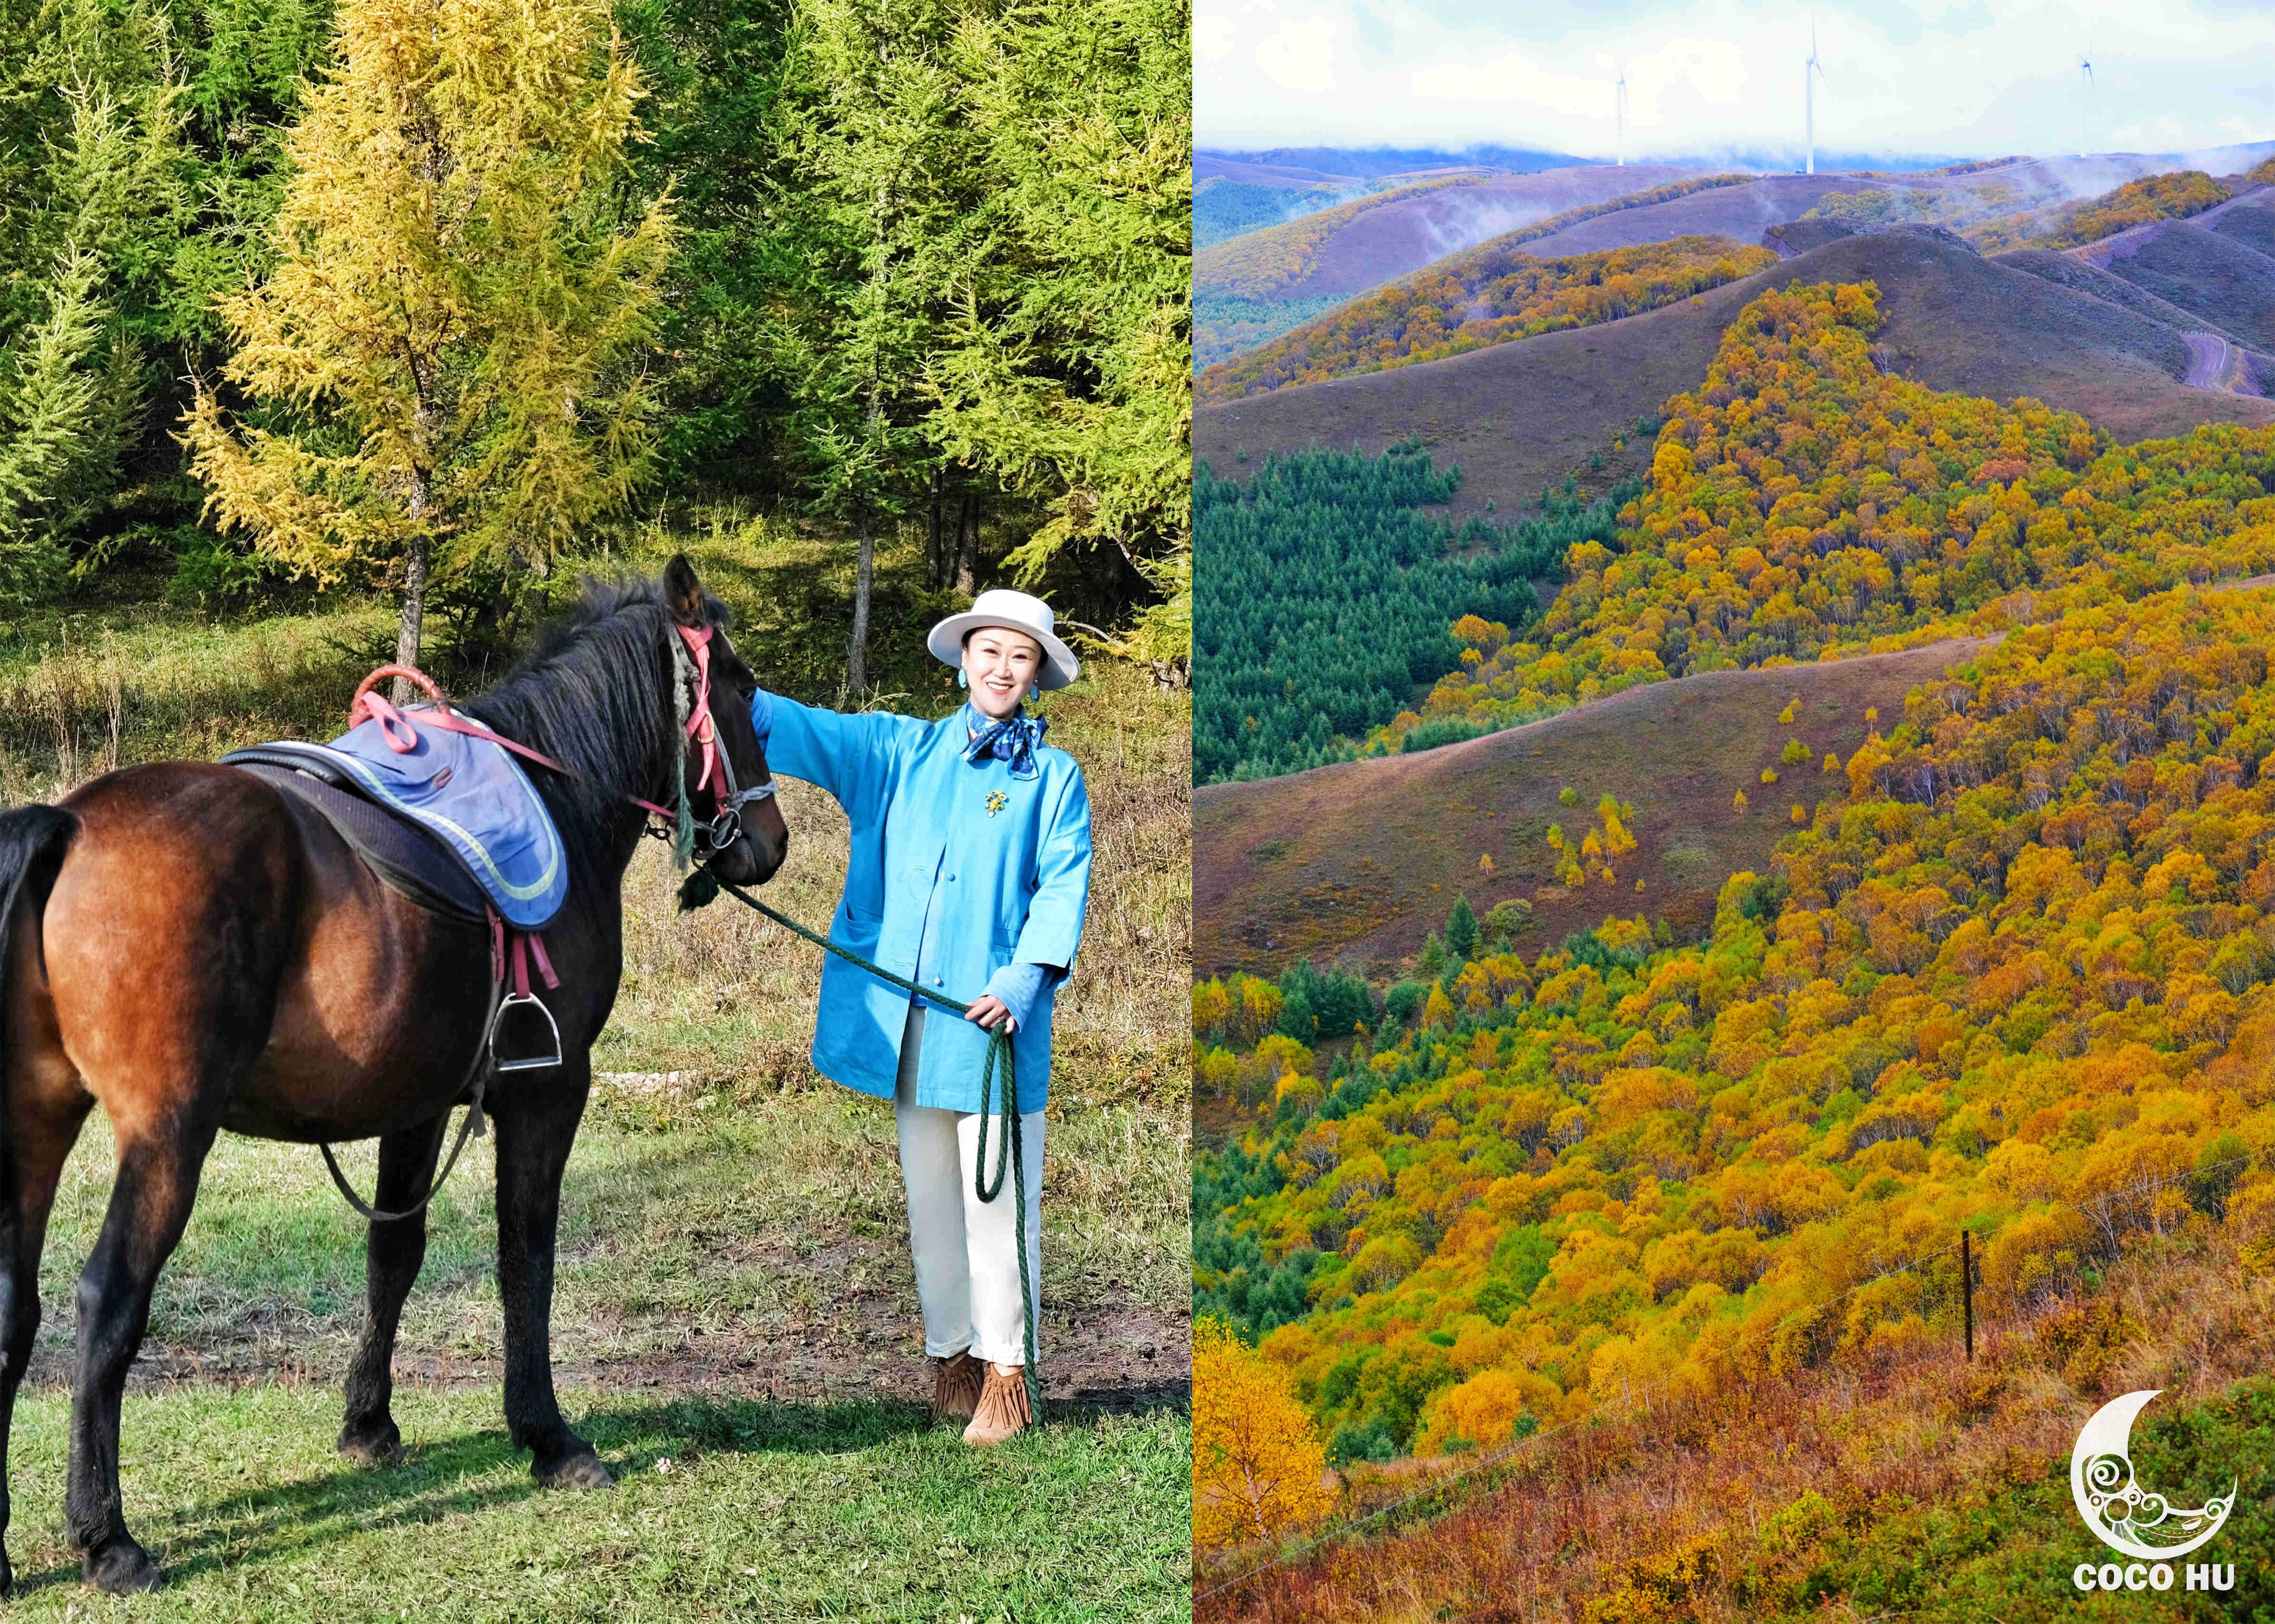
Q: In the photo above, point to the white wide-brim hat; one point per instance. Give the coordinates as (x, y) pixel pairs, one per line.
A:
(1013, 611)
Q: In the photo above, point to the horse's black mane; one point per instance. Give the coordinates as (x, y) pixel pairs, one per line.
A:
(594, 692)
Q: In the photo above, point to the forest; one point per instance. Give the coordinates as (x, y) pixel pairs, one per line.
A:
(1487, 296)
(1996, 217)
(856, 267)
(1805, 504)
(1331, 594)
(1226, 208)
(2017, 973)
(2137, 202)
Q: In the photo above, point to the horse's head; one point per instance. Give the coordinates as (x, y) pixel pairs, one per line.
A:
(757, 839)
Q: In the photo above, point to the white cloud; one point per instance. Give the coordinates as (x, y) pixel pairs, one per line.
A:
(1514, 80)
(1948, 75)
(1300, 56)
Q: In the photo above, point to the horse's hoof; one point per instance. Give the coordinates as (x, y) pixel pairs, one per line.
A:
(7, 1577)
(122, 1568)
(580, 1471)
(380, 1446)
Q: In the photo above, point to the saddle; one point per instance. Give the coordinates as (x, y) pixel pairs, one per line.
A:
(449, 819)
(445, 817)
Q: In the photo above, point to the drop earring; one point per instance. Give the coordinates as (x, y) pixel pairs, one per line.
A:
(963, 678)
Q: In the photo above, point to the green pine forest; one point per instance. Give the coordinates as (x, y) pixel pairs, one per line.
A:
(1332, 587)
(439, 302)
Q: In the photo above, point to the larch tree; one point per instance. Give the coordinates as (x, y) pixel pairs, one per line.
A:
(880, 193)
(91, 206)
(1067, 372)
(443, 368)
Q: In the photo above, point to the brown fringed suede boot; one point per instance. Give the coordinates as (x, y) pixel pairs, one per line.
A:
(1002, 1412)
(955, 1384)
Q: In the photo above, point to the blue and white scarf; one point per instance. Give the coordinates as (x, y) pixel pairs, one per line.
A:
(1013, 739)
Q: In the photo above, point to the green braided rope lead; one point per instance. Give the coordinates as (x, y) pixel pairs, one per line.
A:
(703, 886)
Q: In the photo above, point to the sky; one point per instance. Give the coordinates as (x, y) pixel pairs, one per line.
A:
(1942, 77)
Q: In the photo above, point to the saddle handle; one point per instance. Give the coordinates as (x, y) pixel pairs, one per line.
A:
(355, 704)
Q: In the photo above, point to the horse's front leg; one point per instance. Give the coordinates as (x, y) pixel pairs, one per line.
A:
(534, 1133)
(157, 1180)
(392, 1256)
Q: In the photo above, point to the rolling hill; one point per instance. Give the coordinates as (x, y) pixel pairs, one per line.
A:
(1253, 287)
(2213, 274)
(1484, 296)
(1517, 417)
(1355, 863)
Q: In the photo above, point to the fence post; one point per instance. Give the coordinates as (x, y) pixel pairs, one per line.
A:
(1967, 1291)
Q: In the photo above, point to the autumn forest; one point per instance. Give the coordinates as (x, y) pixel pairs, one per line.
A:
(2009, 967)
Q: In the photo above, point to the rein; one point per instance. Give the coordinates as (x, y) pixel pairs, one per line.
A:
(703, 885)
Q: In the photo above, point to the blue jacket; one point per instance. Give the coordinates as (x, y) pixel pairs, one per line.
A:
(1000, 888)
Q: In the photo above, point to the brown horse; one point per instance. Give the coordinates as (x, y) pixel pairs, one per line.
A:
(195, 950)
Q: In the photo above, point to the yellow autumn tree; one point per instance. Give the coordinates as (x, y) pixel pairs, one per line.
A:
(1256, 1463)
(447, 354)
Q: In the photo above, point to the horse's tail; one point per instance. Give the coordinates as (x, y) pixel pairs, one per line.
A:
(33, 841)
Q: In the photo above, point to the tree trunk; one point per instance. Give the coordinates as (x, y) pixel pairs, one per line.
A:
(414, 589)
(967, 542)
(857, 659)
(935, 566)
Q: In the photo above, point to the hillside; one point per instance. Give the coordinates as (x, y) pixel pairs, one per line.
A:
(2210, 273)
(2082, 276)
(1925, 1486)
(1255, 286)
(1485, 295)
(2012, 973)
(1743, 212)
(1961, 192)
(1358, 862)
(1517, 417)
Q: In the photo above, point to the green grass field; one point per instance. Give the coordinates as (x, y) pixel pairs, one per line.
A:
(735, 1324)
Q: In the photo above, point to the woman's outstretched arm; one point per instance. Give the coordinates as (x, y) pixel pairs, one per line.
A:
(846, 754)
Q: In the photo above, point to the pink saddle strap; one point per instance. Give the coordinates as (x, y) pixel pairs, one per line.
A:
(402, 738)
(524, 946)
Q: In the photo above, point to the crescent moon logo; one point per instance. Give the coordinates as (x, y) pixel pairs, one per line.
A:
(2122, 1514)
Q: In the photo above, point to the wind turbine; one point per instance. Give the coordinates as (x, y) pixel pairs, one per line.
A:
(2085, 102)
(1620, 114)
(1812, 71)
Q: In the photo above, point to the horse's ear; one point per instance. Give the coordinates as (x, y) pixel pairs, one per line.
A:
(683, 594)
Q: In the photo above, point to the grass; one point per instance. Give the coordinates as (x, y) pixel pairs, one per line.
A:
(735, 1295)
(725, 1509)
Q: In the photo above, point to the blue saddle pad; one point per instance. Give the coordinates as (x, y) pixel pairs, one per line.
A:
(472, 795)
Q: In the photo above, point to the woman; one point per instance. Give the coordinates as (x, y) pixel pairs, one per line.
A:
(969, 873)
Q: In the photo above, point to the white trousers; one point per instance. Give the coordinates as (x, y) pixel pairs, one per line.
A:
(967, 1262)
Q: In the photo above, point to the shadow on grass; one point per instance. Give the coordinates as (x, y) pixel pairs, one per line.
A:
(442, 1477)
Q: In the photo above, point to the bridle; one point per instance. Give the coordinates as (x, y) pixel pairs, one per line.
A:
(691, 658)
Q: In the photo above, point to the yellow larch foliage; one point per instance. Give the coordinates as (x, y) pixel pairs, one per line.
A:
(1257, 1464)
(458, 306)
